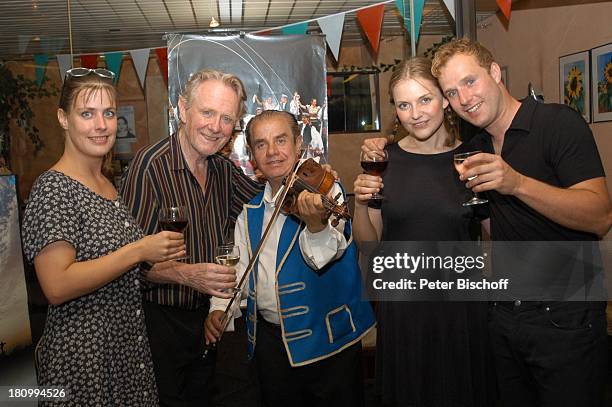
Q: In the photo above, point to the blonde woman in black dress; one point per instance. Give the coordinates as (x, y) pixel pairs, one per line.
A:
(86, 249)
(428, 354)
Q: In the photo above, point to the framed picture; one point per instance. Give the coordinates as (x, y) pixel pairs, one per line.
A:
(601, 66)
(574, 83)
(504, 76)
(126, 131)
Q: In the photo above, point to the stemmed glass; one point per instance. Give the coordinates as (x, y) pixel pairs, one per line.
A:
(458, 160)
(227, 255)
(173, 219)
(374, 163)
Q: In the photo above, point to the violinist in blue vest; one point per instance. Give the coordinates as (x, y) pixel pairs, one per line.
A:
(305, 312)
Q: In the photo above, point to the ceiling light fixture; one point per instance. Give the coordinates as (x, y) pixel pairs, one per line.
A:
(213, 22)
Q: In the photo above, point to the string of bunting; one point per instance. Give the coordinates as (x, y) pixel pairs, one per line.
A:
(369, 18)
(382, 67)
(113, 61)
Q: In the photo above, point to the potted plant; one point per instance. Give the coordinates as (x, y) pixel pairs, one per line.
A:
(16, 93)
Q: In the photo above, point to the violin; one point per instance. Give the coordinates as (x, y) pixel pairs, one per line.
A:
(311, 176)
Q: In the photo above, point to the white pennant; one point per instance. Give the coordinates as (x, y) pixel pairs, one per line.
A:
(64, 61)
(24, 41)
(450, 5)
(332, 26)
(140, 58)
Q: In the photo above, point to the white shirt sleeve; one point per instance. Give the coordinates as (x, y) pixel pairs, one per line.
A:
(220, 304)
(318, 249)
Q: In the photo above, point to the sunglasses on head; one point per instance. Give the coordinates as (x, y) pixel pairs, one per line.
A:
(80, 72)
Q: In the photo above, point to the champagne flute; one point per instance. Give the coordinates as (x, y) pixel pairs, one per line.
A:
(227, 255)
(458, 160)
(173, 219)
(374, 163)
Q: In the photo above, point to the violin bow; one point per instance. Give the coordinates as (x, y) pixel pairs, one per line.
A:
(277, 208)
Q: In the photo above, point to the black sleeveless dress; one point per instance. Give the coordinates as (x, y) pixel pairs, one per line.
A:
(431, 354)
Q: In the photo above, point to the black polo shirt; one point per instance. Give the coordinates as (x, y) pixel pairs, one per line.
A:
(550, 143)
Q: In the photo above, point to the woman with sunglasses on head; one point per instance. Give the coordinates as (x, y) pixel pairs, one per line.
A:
(428, 354)
(86, 250)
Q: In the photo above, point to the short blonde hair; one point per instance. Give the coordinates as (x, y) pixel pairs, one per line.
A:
(461, 46)
(227, 79)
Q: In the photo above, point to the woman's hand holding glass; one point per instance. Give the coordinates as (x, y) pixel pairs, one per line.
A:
(374, 144)
(174, 219)
(365, 186)
(163, 246)
(374, 163)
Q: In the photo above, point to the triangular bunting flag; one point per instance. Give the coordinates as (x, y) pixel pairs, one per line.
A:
(41, 61)
(24, 41)
(400, 6)
(418, 17)
(332, 26)
(295, 29)
(64, 61)
(89, 61)
(370, 19)
(162, 58)
(113, 63)
(450, 5)
(505, 6)
(140, 59)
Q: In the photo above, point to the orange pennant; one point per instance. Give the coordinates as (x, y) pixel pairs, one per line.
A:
(505, 7)
(370, 19)
(162, 58)
(89, 61)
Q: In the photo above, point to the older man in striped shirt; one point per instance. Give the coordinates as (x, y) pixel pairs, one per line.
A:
(186, 169)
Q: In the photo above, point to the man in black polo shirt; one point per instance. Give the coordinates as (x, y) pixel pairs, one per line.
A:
(545, 182)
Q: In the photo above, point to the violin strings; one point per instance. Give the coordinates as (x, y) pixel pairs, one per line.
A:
(324, 199)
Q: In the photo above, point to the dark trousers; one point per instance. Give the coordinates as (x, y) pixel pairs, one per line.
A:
(235, 375)
(176, 337)
(335, 381)
(550, 354)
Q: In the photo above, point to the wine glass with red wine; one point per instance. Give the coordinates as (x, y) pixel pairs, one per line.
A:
(374, 163)
(173, 219)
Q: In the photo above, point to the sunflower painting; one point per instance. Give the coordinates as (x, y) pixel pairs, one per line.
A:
(602, 83)
(574, 86)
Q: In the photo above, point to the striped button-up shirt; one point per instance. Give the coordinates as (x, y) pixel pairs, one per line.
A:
(159, 176)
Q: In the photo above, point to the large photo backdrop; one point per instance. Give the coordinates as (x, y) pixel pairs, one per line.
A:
(279, 72)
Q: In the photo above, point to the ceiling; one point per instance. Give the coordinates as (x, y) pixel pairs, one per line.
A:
(28, 27)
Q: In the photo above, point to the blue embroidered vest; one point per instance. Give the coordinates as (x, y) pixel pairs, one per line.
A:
(321, 312)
